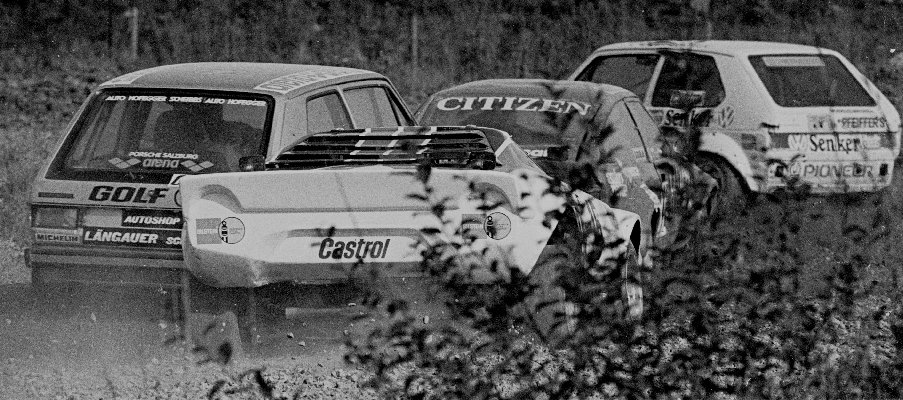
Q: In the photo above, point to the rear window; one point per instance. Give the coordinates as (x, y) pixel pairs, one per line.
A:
(133, 135)
(530, 121)
(809, 81)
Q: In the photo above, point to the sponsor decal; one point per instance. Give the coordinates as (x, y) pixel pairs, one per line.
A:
(793, 61)
(531, 104)
(175, 179)
(126, 194)
(132, 237)
(287, 83)
(830, 170)
(724, 116)
(823, 143)
(189, 99)
(153, 154)
(862, 122)
(216, 230)
(472, 226)
(152, 160)
(151, 219)
(353, 249)
(673, 117)
(687, 98)
(57, 236)
(820, 122)
(497, 225)
(537, 153)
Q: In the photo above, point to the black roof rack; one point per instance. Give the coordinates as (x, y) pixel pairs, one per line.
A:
(436, 146)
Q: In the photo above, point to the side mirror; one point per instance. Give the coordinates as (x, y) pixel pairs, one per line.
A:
(686, 99)
(251, 163)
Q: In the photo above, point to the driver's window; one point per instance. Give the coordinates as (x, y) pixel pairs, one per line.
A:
(686, 71)
(631, 72)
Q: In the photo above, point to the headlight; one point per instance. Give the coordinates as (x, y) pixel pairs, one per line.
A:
(54, 217)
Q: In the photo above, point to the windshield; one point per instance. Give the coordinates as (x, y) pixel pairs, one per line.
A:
(809, 81)
(154, 134)
(529, 121)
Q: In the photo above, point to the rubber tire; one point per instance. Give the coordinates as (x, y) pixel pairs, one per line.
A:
(550, 312)
(222, 315)
(731, 193)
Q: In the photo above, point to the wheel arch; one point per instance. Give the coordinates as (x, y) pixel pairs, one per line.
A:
(728, 150)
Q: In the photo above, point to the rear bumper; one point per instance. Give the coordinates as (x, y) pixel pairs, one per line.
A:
(222, 271)
(827, 175)
(105, 266)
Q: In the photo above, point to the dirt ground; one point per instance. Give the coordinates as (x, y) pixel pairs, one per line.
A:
(92, 344)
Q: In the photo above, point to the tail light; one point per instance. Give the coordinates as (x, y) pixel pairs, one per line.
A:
(54, 217)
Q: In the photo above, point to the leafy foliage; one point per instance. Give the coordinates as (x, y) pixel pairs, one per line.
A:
(729, 316)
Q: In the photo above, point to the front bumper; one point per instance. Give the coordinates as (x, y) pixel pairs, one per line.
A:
(105, 266)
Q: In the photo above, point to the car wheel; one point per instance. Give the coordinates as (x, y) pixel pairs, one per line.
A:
(222, 322)
(730, 193)
(552, 316)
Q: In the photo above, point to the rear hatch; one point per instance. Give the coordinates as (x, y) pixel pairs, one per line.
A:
(114, 182)
(298, 224)
(262, 227)
(828, 129)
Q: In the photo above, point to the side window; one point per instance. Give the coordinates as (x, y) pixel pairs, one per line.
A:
(292, 128)
(326, 113)
(646, 126)
(685, 71)
(631, 72)
(371, 107)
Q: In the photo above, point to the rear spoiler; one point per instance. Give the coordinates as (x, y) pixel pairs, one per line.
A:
(449, 147)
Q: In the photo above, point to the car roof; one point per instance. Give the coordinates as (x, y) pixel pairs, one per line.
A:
(589, 92)
(269, 78)
(724, 47)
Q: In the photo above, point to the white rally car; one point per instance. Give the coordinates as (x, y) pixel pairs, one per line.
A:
(348, 203)
(105, 208)
(779, 111)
